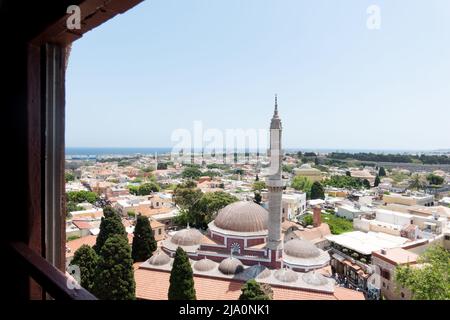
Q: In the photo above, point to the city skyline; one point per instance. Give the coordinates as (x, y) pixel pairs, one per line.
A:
(341, 86)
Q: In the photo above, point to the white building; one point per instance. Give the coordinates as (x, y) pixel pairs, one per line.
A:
(293, 205)
(351, 211)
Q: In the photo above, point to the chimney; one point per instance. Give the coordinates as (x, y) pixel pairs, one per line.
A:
(317, 221)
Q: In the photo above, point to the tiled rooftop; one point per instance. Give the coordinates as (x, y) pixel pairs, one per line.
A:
(154, 285)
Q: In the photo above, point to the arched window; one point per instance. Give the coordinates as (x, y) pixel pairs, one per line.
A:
(235, 248)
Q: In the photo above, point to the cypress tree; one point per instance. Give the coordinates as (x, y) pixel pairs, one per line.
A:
(382, 172)
(181, 278)
(110, 225)
(114, 278)
(252, 290)
(143, 241)
(86, 259)
(377, 181)
(366, 184)
(258, 198)
(317, 191)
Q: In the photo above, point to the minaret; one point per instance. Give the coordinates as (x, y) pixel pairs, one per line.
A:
(275, 185)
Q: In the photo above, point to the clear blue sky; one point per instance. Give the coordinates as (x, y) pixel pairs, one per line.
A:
(166, 63)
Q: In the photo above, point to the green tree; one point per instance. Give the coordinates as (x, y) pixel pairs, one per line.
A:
(430, 281)
(69, 176)
(302, 184)
(288, 168)
(258, 198)
(110, 225)
(211, 202)
(377, 181)
(434, 179)
(317, 191)
(82, 196)
(366, 184)
(86, 259)
(382, 172)
(186, 195)
(181, 278)
(307, 220)
(198, 209)
(72, 206)
(114, 278)
(162, 166)
(144, 243)
(259, 185)
(191, 172)
(417, 182)
(346, 182)
(148, 188)
(252, 290)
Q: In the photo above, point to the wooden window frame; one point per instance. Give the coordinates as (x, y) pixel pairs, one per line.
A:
(47, 56)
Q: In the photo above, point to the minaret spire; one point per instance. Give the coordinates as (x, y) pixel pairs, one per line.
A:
(275, 112)
(275, 184)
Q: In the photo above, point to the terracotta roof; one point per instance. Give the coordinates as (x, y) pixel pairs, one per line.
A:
(147, 211)
(397, 256)
(347, 294)
(91, 215)
(127, 223)
(74, 245)
(208, 240)
(314, 234)
(286, 224)
(155, 224)
(80, 224)
(154, 285)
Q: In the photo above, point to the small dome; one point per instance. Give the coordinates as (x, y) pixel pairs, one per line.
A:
(314, 278)
(159, 258)
(305, 166)
(231, 266)
(187, 237)
(286, 275)
(204, 265)
(301, 249)
(242, 216)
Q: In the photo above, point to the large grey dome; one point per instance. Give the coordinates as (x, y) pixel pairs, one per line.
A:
(301, 249)
(204, 265)
(187, 237)
(242, 216)
(231, 266)
(314, 278)
(159, 259)
(286, 275)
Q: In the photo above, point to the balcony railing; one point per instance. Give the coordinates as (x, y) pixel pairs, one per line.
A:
(51, 279)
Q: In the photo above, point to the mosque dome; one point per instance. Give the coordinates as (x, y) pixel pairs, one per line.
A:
(242, 216)
(314, 278)
(300, 248)
(159, 259)
(204, 265)
(305, 166)
(286, 275)
(231, 266)
(187, 237)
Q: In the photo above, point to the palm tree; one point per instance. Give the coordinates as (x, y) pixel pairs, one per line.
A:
(417, 182)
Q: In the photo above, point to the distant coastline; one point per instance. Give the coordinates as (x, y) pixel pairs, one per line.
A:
(95, 151)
